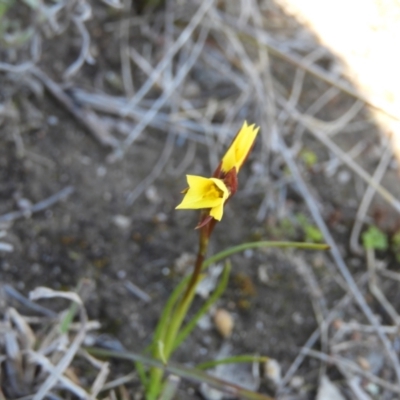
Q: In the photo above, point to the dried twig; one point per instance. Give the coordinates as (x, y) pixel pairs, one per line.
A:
(367, 198)
(263, 38)
(354, 368)
(323, 138)
(85, 47)
(124, 52)
(180, 76)
(86, 117)
(42, 205)
(316, 334)
(317, 300)
(376, 291)
(13, 293)
(338, 258)
(57, 372)
(137, 292)
(182, 39)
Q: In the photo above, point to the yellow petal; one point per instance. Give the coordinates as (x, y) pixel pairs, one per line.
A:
(216, 212)
(204, 193)
(240, 148)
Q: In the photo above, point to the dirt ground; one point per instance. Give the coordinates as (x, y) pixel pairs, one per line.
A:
(95, 234)
(79, 238)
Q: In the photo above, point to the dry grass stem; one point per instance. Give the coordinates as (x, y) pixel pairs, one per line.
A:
(367, 198)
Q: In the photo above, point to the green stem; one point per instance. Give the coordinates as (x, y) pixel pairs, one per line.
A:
(232, 360)
(170, 332)
(187, 329)
(176, 322)
(255, 245)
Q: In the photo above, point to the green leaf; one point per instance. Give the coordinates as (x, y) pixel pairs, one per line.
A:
(159, 334)
(218, 292)
(232, 360)
(374, 238)
(192, 374)
(142, 374)
(312, 233)
(4, 6)
(309, 157)
(256, 245)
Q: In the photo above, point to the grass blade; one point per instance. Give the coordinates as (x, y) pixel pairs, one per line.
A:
(206, 306)
(256, 245)
(191, 374)
(245, 358)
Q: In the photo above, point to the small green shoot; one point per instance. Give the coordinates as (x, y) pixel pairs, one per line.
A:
(375, 239)
(311, 232)
(218, 292)
(309, 157)
(232, 360)
(395, 245)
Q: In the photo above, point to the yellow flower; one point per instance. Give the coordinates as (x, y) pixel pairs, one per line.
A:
(240, 148)
(205, 193)
(212, 193)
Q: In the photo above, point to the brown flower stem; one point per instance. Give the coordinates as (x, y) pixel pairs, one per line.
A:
(203, 245)
(181, 308)
(204, 237)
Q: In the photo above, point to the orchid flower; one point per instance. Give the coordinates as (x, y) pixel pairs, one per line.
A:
(213, 193)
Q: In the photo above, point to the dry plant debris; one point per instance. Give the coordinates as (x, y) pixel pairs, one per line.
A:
(200, 68)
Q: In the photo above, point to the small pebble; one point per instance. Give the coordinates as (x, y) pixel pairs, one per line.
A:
(203, 351)
(258, 168)
(184, 262)
(209, 393)
(297, 318)
(372, 388)
(101, 171)
(52, 120)
(337, 324)
(6, 247)
(344, 177)
(318, 261)
(152, 195)
(223, 321)
(297, 382)
(191, 89)
(262, 273)
(364, 363)
(121, 221)
(273, 371)
(204, 323)
(113, 80)
(24, 204)
(121, 274)
(160, 217)
(248, 253)
(327, 390)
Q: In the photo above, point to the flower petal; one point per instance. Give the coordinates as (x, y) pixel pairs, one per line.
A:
(216, 212)
(204, 193)
(240, 148)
